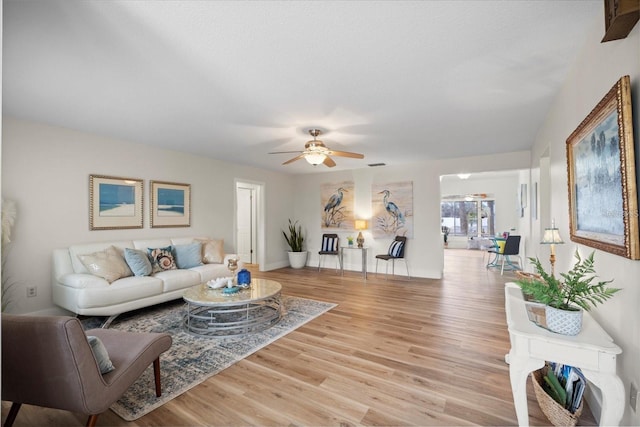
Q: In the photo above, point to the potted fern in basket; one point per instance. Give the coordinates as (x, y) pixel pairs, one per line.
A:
(295, 240)
(565, 298)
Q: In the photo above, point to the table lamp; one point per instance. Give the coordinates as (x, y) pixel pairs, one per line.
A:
(552, 237)
(361, 224)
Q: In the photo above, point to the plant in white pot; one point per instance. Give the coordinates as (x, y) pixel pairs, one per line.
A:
(565, 298)
(295, 240)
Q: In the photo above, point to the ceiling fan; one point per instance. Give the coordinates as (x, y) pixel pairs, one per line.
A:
(315, 152)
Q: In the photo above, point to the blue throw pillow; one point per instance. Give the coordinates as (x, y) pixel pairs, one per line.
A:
(188, 256)
(396, 248)
(138, 262)
(101, 355)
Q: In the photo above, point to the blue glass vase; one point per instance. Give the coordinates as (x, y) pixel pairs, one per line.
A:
(244, 277)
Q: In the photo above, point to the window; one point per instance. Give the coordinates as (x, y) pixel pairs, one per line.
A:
(461, 217)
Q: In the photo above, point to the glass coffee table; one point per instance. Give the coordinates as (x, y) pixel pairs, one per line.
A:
(214, 313)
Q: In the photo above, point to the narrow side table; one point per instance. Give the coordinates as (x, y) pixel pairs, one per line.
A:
(364, 251)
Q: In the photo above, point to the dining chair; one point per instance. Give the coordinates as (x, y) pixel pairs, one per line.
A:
(396, 252)
(330, 246)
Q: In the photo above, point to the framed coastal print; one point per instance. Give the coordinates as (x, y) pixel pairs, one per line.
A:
(336, 204)
(170, 204)
(114, 202)
(392, 208)
(603, 202)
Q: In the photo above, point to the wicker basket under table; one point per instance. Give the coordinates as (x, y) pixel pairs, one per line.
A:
(558, 415)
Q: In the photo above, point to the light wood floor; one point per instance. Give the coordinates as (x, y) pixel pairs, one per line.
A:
(393, 352)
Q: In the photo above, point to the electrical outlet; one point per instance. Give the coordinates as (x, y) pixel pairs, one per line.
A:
(633, 396)
(32, 291)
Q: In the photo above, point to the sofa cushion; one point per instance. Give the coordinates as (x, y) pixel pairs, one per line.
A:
(162, 258)
(108, 264)
(178, 279)
(121, 291)
(138, 262)
(101, 355)
(212, 250)
(188, 256)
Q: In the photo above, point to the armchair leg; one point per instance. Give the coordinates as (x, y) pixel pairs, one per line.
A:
(13, 413)
(156, 374)
(91, 422)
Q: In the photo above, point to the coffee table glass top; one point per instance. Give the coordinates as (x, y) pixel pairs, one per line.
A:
(260, 289)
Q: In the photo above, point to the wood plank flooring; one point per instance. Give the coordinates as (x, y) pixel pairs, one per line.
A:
(394, 352)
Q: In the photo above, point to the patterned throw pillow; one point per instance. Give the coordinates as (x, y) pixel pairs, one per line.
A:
(162, 259)
(396, 248)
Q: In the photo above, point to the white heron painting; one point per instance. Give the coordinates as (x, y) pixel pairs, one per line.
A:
(337, 205)
(392, 208)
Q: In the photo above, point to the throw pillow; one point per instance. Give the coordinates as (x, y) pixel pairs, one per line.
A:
(188, 256)
(212, 251)
(138, 262)
(396, 248)
(108, 264)
(101, 355)
(162, 259)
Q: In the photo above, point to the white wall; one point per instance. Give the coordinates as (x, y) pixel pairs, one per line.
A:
(597, 69)
(424, 251)
(46, 169)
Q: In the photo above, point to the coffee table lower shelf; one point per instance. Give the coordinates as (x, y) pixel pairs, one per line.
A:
(234, 320)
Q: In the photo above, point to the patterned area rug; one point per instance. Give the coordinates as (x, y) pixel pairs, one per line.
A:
(191, 359)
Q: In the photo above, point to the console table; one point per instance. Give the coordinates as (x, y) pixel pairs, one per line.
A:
(364, 258)
(592, 350)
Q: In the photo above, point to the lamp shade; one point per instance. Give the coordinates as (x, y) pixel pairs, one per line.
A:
(551, 236)
(315, 158)
(361, 224)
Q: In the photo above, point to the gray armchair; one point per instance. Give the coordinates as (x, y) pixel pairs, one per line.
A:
(47, 361)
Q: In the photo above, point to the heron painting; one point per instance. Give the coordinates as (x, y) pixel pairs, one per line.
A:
(337, 205)
(393, 209)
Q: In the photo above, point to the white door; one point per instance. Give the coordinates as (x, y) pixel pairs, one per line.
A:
(246, 223)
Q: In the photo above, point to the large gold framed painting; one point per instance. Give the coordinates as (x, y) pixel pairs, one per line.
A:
(336, 200)
(392, 207)
(603, 202)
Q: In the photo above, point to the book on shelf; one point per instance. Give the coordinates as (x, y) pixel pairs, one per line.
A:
(573, 381)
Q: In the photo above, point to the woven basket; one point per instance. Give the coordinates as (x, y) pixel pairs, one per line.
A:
(552, 409)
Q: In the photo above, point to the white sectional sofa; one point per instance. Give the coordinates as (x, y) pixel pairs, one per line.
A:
(76, 289)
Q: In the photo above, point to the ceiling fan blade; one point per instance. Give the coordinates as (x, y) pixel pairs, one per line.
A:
(285, 152)
(328, 161)
(294, 159)
(346, 154)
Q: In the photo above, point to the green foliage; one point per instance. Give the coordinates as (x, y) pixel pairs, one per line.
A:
(554, 389)
(295, 237)
(577, 287)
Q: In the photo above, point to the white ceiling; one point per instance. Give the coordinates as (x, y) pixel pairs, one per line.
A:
(399, 81)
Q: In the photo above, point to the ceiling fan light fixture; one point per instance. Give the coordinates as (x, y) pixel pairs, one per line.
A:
(315, 158)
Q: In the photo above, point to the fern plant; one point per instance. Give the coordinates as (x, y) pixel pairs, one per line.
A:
(577, 287)
(295, 238)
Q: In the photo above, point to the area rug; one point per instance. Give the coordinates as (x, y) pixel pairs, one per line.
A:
(192, 359)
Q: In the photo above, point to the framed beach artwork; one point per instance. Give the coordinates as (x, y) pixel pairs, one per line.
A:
(392, 208)
(114, 202)
(170, 204)
(336, 203)
(603, 202)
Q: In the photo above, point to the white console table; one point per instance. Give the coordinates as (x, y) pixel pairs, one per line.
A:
(592, 350)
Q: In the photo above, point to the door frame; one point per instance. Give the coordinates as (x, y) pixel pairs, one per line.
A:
(259, 216)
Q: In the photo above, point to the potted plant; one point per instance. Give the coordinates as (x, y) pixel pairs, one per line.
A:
(295, 239)
(565, 298)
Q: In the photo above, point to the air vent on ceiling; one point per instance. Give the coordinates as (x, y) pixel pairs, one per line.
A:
(374, 165)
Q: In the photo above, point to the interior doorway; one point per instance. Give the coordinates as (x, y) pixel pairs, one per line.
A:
(249, 222)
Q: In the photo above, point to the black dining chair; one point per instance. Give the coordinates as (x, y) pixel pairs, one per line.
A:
(396, 252)
(511, 248)
(330, 246)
